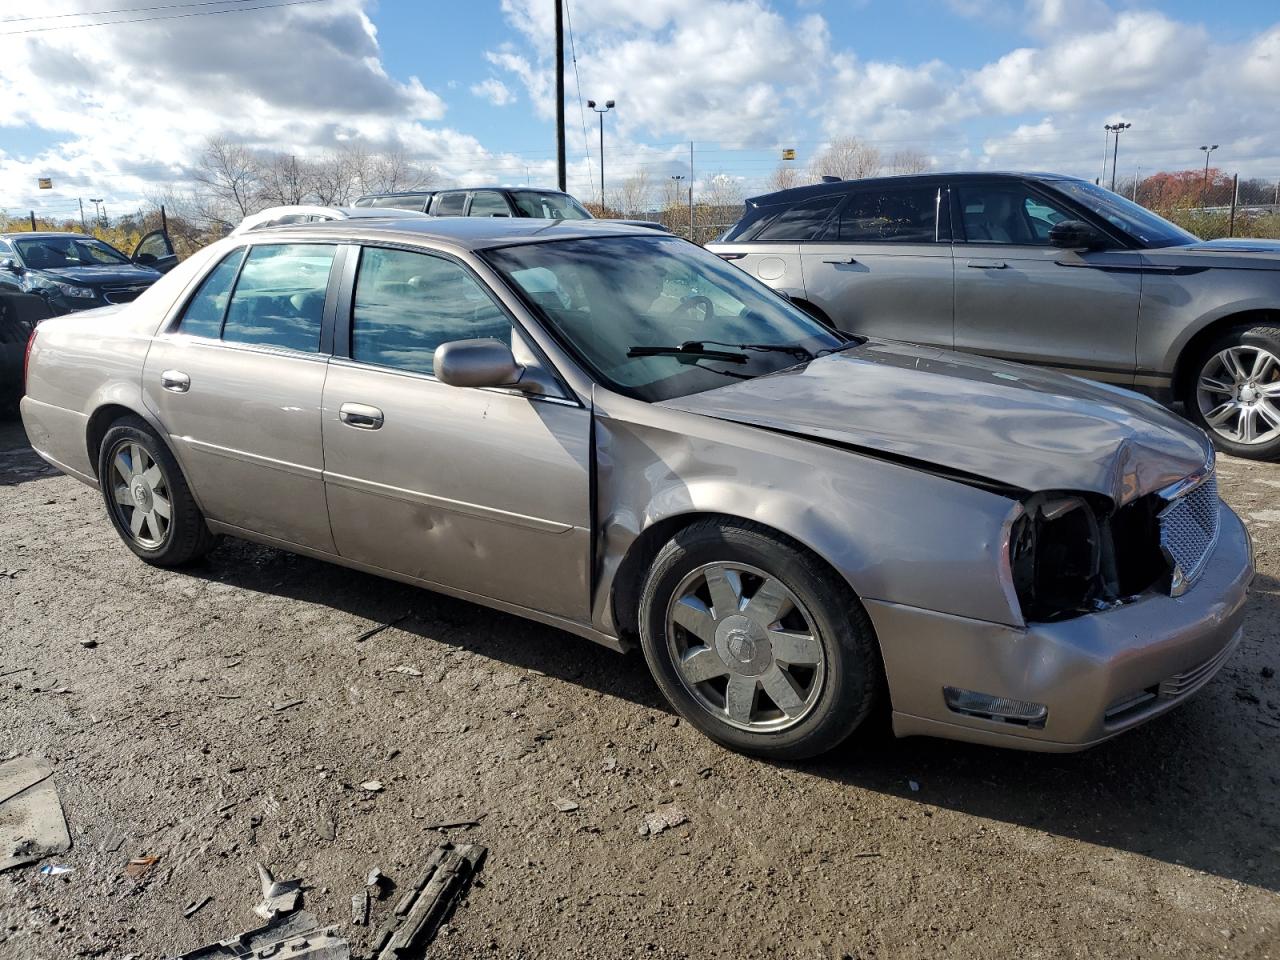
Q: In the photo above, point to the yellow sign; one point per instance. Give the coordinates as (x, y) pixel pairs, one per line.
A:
(45, 183)
(788, 154)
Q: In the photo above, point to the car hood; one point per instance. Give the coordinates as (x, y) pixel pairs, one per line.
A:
(106, 273)
(1239, 253)
(971, 417)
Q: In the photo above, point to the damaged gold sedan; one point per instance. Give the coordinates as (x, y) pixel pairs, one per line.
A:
(617, 433)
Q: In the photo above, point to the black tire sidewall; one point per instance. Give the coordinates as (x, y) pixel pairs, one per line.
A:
(852, 670)
(1266, 337)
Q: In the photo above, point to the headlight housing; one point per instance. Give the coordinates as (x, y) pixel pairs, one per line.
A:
(66, 289)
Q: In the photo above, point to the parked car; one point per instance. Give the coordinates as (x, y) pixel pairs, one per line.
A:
(72, 271)
(19, 314)
(308, 213)
(493, 202)
(617, 433)
(1039, 269)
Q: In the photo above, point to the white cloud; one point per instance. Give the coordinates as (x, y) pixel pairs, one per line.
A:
(494, 92)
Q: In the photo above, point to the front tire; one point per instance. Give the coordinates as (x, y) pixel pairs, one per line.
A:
(756, 642)
(1234, 392)
(147, 497)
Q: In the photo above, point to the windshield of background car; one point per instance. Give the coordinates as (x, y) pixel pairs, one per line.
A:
(549, 206)
(50, 253)
(604, 295)
(1139, 222)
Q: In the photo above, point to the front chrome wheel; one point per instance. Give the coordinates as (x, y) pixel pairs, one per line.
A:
(140, 494)
(1238, 393)
(745, 647)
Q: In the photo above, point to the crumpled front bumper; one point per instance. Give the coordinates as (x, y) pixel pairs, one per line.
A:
(1098, 674)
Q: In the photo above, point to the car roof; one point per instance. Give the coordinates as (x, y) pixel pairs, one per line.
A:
(468, 233)
(497, 186)
(27, 235)
(959, 176)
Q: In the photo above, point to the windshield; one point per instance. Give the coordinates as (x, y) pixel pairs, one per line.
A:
(549, 205)
(1150, 228)
(50, 253)
(608, 298)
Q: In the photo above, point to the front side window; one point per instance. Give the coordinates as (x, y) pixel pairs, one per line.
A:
(204, 313)
(900, 215)
(449, 204)
(279, 298)
(1008, 213)
(802, 220)
(549, 205)
(51, 253)
(407, 304)
(489, 203)
(616, 301)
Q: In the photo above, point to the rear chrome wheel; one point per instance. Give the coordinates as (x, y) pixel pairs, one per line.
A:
(745, 647)
(140, 494)
(1238, 394)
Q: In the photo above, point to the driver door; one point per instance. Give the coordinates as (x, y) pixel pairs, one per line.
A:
(155, 251)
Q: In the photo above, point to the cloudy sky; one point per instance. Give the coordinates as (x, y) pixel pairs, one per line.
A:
(114, 111)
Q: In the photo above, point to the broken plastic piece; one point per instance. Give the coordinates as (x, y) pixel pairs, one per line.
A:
(296, 936)
(32, 826)
(278, 896)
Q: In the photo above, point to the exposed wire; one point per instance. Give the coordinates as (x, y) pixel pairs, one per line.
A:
(103, 13)
(165, 16)
(577, 80)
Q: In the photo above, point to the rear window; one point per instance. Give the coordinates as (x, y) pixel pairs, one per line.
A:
(904, 215)
(449, 204)
(279, 298)
(802, 220)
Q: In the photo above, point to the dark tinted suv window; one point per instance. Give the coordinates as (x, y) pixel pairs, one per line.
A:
(802, 220)
(901, 215)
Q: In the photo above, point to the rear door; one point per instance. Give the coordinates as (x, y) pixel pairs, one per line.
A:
(481, 490)
(238, 382)
(1019, 298)
(882, 267)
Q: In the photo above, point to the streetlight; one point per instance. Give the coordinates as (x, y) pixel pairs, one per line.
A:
(677, 178)
(97, 210)
(608, 105)
(1204, 187)
(1116, 128)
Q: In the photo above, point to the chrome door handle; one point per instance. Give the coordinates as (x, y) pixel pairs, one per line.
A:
(987, 264)
(361, 416)
(175, 381)
(839, 260)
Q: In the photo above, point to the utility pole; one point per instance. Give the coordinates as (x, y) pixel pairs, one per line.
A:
(608, 105)
(33, 221)
(1204, 187)
(80, 200)
(561, 174)
(1235, 198)
(691, 191)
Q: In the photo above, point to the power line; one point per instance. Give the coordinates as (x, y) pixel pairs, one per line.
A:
(577, 81)
(102, 13)
(166, 16)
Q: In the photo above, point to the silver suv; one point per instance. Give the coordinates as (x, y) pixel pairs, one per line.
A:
(1039, 269)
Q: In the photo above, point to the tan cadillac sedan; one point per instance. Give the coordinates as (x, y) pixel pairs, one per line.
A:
(617, 433)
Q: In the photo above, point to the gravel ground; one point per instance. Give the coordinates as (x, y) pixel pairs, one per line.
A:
(1164, 843)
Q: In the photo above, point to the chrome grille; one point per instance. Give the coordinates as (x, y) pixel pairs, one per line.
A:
(1189, 530)
(123, 293)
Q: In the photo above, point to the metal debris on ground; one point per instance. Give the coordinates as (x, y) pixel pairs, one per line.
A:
(295, 936)
(88, 642)
(32, 825)
(195, 906)
(564, 806)
(459, 823)
(54, 870)
(139, 867)
(278, 896)
(373, 632)
(360, 908)
(429, 902)
(660, 820)
(277, 707)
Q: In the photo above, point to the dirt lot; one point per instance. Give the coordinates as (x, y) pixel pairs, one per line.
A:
(1163, 843)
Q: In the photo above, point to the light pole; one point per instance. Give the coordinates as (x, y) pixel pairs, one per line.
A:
(1204, 187)
(608, 105)
(677, 179)
(1106, 145)
(1115, 150)
(97, 209)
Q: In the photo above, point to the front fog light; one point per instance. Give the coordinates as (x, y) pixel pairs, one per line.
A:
(985, 705)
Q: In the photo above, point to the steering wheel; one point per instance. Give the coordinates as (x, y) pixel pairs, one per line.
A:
(693, 302)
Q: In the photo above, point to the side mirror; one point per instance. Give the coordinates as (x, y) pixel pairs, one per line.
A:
(477, 363)
(1075, 235)
(11, 265)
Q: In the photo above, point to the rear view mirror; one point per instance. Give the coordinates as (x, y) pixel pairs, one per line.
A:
(1076, 235)
(477, 363)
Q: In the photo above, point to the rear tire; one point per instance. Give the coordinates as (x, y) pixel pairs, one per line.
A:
(147, 497)
(1233, 392)
(756, 642)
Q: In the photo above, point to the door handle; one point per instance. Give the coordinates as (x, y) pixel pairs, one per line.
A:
(839, 260)
(175, 381)
(361, 416)
(987, 264)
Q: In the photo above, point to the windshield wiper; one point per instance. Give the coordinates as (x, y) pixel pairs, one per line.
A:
(693, 350)
(795, 349)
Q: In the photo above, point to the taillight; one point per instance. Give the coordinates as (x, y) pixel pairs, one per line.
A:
(26, 357)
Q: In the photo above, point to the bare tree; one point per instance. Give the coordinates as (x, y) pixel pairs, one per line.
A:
(785, 176)
(635, 194)
(719, 206)
(909, 161)
(284, 180)
(230, 175)
(847, 158)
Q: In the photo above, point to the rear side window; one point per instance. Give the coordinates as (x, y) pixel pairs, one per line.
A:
(279, 298)
(399, 203)
(407, 304)
(904, 215)
(449, 204)
(803, 220)
(204, 313)
(489, 203)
